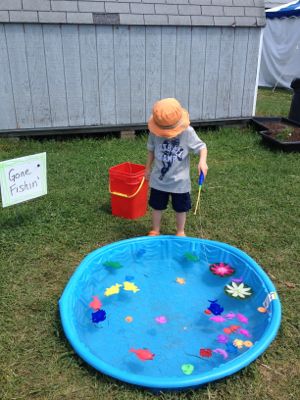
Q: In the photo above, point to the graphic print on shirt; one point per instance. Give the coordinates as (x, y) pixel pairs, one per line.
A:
(169, 151)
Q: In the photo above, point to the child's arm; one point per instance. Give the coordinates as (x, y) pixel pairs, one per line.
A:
(149, 162)
(202, 166)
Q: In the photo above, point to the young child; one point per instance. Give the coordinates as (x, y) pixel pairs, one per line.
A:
(170, 141)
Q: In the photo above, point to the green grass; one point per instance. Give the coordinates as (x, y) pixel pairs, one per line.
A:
(250, 200)
(273, 103)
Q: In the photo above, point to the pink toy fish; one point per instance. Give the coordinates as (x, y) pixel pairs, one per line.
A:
(244, 332)
(222, 352)
(218, 318)
(230, 315)
(161, 319)
(143, 354)
(242, 318)
(96, 303)
(222, 339)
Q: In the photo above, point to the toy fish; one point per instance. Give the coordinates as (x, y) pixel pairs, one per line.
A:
(242, 318)
(234, 328)
(217, 318)
(114, 289)
(230, 315)
(191, 257)
(130, 287)
(222, 352)
(215, 308)
(181, 281)
(98, 316)
(244, 332)
(95, 304)
(238, 343)
(113, 264)
(143, 354)
(205, 353)
(161, 319)
(231, 329)
(230, 348)
(222, 339)
(248, 343)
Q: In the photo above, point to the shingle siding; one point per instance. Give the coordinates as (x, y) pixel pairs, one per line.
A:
(136, 12)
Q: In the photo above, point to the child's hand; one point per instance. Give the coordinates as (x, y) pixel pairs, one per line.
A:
(202, 166)
(147, 173)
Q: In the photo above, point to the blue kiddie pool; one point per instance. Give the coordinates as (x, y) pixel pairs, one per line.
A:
(168, 312)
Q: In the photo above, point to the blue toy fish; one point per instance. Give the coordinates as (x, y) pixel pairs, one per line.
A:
(214, 308)
(230, 348)
(98, 316)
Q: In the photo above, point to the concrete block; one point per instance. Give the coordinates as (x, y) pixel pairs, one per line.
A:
(117, 7)
(52, 17)
(79, 18)
(213, 11)
(156, 20)
(36, 5)
(167, 9)
(91, 6)
(106, 19)
(189, 10)
(234, 11)
(130, 19)
(64, 5)
(142, 8)
(23, 16)
(245, 21)
(8, 5)
(179, 20)
(254, 12)
(129, 134)
(203, 20)
(4, 16)
(224, 21)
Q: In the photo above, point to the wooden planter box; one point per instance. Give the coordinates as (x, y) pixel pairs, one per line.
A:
(279, 132)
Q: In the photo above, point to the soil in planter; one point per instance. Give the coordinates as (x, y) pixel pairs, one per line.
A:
(283, 132)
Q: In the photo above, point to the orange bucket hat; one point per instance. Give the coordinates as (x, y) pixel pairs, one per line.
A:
(168, 118)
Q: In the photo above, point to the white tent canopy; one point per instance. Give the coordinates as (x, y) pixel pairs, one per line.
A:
(280, 58)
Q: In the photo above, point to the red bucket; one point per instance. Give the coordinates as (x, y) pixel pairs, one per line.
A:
(129, 190)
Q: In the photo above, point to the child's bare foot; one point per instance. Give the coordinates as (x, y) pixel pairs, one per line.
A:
(153, 233)
(180, 233)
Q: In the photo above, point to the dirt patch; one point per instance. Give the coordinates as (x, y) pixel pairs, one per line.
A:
(283, 132)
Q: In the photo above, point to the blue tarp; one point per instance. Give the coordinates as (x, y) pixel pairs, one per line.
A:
(285, 11)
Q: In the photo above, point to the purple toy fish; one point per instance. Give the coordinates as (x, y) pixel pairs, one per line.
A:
(230, 315)
(244, 332)
(218, 318)
(242, 318)
(222, 352)
(222, 339)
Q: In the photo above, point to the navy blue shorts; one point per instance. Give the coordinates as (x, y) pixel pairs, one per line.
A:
(181, 202)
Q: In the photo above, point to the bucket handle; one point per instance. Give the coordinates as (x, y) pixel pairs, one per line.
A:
(126, 195)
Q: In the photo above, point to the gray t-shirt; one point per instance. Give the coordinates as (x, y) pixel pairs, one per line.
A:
(171, 170)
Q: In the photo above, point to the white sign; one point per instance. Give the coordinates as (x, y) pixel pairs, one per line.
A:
(23, 179)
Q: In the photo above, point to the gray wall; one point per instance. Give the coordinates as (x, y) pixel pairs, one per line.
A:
(75, 75)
